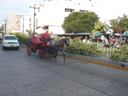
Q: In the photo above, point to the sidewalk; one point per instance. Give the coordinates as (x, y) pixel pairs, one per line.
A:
(99, 61)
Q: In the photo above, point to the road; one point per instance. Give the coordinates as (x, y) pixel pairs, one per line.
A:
(23, 75)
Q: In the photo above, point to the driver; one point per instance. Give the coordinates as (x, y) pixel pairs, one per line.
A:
(45, 36)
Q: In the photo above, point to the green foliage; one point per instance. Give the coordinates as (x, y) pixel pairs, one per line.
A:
(56, 38)
(78, 47)
(121, 54)
(100, 27)
(123, 23)
(80, 22)
(115, 25)
(29, 32)
(75, 45)
(120, 24)
(21, 37)
(2, 28)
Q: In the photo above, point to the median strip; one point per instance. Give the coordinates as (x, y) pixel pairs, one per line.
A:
(121, 67)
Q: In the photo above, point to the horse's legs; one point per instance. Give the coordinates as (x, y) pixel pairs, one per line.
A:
(53, 52)
(56, 53)
(49, 51)
(63, 56)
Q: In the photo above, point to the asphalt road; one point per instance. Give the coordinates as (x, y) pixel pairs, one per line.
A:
(23, 75)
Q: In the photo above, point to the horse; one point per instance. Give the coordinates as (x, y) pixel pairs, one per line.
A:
(56, 46)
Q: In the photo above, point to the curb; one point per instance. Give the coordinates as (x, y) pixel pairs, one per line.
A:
(98, 61)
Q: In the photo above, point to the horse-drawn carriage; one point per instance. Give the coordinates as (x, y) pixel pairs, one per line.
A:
(44, 44)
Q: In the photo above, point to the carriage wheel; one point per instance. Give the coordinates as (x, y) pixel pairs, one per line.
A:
(40, 53)
(29, 51)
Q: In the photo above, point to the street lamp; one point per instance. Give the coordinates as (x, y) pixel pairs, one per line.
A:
(34, 17)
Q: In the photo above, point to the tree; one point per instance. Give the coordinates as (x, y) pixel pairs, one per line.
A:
(29, 32)
(100, 27)
(80, 22)
(1, 28)
(120, 24)
(123, 23)
(114, 25)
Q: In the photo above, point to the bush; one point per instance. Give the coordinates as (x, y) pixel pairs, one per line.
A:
(56, 38)
(21, 37)
(120, 54)
(78, 47)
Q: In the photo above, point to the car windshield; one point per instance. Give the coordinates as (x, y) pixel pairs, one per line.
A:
(10, 38)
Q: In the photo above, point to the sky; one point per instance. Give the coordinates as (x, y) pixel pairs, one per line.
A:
(110, 9)
(105, 9)
(15, 7)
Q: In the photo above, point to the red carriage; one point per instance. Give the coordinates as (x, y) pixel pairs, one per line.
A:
(39, 43)
(44, 44)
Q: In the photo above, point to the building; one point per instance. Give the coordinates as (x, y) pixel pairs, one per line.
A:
(18, 23)
(52, 13)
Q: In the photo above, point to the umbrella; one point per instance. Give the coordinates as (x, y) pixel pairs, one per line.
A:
(118, 34)
(98, 34)
(125, 33)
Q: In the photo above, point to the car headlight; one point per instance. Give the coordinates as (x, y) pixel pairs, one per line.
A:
(5, 42)
(17, 42)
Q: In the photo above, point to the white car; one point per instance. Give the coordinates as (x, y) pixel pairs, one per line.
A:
(10, 41)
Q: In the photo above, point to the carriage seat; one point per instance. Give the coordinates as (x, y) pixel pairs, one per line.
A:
(45, 37)
(35, 40)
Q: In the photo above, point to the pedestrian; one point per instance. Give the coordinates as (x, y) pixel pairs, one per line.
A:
(112, 41)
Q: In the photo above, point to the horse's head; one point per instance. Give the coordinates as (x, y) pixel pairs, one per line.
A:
(66, 41)
(60, 43)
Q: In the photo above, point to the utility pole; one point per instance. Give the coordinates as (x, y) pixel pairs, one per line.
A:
(5, 24)
(23, 24)
(34, 17)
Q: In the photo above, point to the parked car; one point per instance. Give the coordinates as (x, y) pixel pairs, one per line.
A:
(10, 41)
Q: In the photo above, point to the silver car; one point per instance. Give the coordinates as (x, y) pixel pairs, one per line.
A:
(10, 41)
